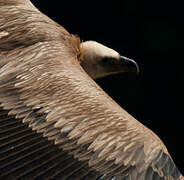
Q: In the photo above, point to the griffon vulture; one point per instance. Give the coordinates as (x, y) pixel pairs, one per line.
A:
(60, 123)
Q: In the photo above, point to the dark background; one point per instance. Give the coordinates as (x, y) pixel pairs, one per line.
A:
(151, 32)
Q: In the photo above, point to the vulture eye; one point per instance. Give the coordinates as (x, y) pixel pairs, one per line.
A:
(108, 61)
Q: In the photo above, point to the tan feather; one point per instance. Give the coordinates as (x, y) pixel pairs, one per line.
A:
(42, 82)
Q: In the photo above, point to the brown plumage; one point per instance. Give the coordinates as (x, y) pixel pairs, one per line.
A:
(43, 86)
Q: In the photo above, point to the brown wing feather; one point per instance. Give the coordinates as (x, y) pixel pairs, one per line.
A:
(40, 70)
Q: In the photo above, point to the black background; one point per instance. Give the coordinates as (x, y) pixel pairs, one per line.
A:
(149, 32)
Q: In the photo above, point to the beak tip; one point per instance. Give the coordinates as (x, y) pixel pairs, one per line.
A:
(137, 67)
(130, 62)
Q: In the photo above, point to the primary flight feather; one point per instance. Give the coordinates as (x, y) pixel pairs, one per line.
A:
(46, 82)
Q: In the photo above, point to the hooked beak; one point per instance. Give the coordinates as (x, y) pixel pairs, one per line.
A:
(130, 64)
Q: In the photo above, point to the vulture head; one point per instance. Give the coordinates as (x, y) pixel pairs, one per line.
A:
(99, 61)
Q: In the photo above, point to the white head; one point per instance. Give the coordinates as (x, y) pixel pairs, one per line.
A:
(99, 60)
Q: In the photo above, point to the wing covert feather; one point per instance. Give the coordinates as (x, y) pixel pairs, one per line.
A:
(42, 82)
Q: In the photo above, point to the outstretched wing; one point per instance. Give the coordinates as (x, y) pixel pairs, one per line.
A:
(42, 83)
